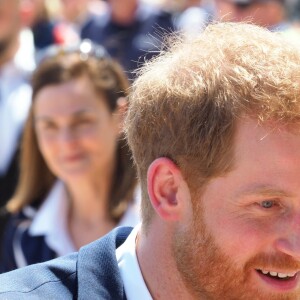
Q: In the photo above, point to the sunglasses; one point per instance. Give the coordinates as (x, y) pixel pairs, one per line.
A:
(247, 3)
(85, 48)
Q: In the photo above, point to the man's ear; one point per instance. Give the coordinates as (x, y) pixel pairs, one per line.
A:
(167, 189)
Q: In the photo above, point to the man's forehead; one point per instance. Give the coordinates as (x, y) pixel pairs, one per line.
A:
(266, 141)
(9, 1)
(268, 127)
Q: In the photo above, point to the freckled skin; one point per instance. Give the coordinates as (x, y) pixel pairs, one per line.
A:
(247, 220)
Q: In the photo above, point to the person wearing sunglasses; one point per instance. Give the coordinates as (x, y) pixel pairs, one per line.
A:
(76, 180)
(267, 13)
(132, 31)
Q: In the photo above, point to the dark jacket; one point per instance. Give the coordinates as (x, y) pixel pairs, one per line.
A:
(18, 248)
(92, 273)
(131, 45)
(8, 181)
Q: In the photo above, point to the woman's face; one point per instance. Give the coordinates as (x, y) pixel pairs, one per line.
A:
(76, 132)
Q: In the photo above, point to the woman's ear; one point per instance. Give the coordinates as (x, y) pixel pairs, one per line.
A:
(120, 112)
(167, 189)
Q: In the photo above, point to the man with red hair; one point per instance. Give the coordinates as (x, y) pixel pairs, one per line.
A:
(214, 128)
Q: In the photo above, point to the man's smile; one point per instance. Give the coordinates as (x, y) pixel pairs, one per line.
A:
(281, 281)
(278, 275)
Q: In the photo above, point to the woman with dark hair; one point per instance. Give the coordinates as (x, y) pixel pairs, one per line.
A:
(77, 181)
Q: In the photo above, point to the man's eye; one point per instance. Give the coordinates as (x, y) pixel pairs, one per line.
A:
(267, 203)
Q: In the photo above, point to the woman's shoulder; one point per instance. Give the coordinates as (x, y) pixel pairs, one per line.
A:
(12, 222)
(9, 230)
(27, 213)
(18, 247)
(5, 215)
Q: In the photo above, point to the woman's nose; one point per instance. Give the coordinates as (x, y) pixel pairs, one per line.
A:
(67, 135)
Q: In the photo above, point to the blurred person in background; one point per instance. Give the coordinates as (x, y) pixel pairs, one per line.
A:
(191, 16)
(16, 65)
(74, 15)
(77, 181)
(35, 16)
(131, 31)
(293, 8)
(267, 13)
(272, 14)
(78, 11)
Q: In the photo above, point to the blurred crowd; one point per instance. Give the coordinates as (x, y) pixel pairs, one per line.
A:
(56, 153)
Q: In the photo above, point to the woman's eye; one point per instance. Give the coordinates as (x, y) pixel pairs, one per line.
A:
(83, 122)
(48, 127)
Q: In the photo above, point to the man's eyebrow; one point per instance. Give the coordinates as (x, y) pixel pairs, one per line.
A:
(264, 190)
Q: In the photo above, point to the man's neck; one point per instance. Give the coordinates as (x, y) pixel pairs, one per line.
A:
(158, 266)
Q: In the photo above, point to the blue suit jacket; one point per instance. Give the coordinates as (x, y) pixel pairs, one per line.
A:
(92, 273)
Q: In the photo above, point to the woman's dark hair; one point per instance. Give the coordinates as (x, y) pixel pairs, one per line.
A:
(110, 82)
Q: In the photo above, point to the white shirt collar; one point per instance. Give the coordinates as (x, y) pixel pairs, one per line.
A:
(134, 284)
(51, 221)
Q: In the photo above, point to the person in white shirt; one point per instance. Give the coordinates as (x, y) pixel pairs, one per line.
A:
(16, 64)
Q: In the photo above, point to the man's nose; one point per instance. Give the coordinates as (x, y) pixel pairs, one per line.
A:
(288, 241)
